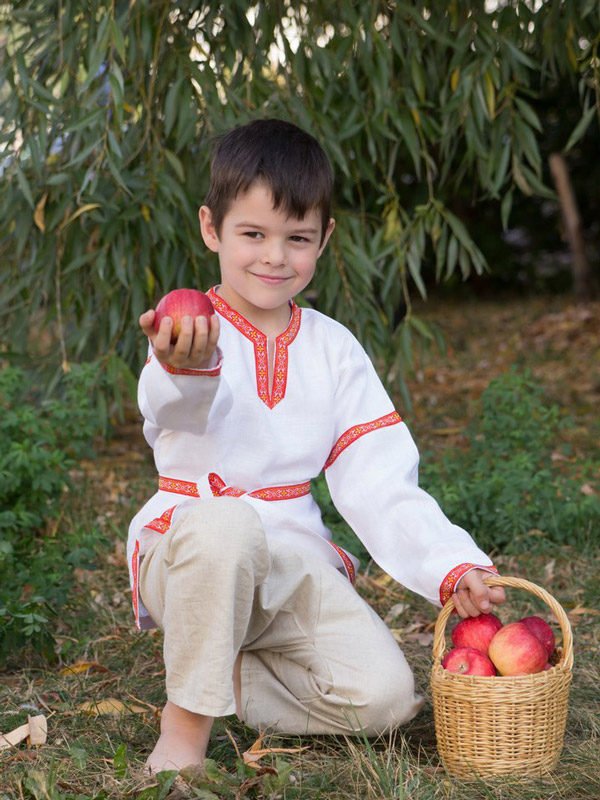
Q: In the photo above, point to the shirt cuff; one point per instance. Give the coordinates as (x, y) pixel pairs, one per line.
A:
(452, 579)
(212, 371)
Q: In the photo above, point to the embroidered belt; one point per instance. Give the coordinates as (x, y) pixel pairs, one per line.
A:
(219, 488)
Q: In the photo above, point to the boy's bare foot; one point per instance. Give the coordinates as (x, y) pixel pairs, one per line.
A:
(182, 742)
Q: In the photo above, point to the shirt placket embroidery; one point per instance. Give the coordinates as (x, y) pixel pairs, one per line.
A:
(270, 395)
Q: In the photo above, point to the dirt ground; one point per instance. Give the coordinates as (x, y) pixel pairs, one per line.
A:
(557, 339)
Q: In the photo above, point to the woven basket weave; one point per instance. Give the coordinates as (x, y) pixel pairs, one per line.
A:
(488, 726)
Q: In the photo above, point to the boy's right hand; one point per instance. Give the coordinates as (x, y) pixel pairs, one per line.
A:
(195, 345)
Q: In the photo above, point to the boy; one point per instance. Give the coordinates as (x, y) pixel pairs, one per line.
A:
(230, 557)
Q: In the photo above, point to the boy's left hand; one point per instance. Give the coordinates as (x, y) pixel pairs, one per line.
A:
(474, 597)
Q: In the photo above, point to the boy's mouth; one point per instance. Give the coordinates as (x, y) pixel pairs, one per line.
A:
(271, 279)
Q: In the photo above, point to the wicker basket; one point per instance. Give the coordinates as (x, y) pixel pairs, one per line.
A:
(488, 726)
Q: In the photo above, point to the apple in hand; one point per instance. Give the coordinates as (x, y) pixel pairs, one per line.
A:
(516, 651)
(182, 303)
(468, 661)
(476, 632)
(543, 631)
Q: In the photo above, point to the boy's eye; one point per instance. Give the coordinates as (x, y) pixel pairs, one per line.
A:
(253, 234)
(299, 239)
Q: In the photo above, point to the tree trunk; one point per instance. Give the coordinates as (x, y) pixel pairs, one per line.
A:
(583, 279)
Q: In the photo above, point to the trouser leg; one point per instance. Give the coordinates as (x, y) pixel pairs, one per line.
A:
(316, 657)
(199, 583)
(322, 662)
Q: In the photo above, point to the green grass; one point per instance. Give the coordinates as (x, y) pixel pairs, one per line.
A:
(101, 757)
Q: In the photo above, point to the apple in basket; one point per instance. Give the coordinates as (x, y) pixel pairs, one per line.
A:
(543, 631)
(181, 303)
(516, 651)
(476, 632)
(468, 661)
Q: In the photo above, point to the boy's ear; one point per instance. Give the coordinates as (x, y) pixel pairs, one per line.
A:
(328, 232)
(207, 229)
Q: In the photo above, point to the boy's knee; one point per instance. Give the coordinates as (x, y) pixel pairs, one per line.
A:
(391, 701)
(218, 529)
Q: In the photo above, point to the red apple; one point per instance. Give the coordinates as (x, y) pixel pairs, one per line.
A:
(468, 661)
(181, 303)
(516, 651)
(543, 631)
(476, 632)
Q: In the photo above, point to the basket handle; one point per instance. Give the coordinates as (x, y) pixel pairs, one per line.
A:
(439, 642)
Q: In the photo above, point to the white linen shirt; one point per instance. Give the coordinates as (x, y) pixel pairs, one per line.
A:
(226, 430)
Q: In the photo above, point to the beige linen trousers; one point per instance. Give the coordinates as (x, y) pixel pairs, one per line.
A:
(316, 659)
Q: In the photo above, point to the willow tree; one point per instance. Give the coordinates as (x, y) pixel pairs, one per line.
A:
(108, 108)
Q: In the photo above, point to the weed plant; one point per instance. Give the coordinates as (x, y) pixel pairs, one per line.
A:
(40, 442)
(507, 487)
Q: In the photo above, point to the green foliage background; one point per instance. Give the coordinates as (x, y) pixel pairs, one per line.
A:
(107, 111)
(40, 443)
(505, 487)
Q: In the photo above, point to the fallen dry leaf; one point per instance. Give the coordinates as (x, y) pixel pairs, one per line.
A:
(557, 456)
(549, 571)
(452, 430)
(82, 666)
(395, 611)
(143, 703)
(109, 705)
(424, 639)
(253, 755)
(581, 610)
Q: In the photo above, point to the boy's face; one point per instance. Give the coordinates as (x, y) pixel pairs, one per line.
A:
(265, 256)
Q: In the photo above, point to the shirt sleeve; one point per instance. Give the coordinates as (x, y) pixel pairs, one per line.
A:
(372, 474)
(176, 399)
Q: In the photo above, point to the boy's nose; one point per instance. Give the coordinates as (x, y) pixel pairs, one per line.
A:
(273, 255)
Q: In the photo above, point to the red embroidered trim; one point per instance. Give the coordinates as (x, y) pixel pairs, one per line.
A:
(348, 565)
(282, 492)
(188, 488)
(352, 434)
(452, 578)
(259, 340)
(220, 489)
(213, 372)
(135, 561)
(163, 523)
(282, 342)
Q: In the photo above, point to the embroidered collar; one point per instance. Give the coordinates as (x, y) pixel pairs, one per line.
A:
(259, 340)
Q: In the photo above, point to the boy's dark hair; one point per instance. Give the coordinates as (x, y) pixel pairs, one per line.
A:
(290, 162)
